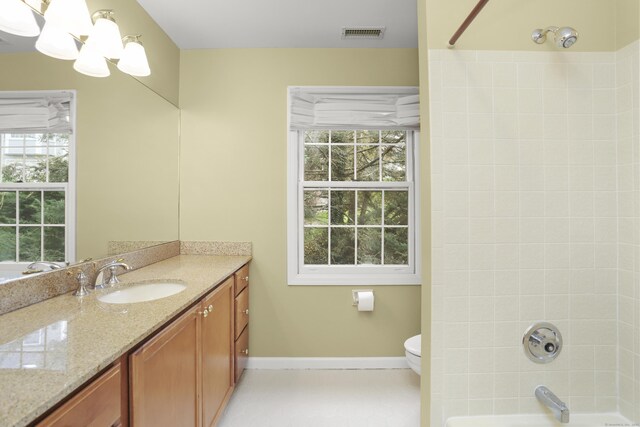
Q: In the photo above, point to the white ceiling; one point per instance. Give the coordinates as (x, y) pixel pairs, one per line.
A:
(202, 24)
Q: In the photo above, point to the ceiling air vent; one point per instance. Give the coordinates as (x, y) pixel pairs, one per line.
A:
(363, 32)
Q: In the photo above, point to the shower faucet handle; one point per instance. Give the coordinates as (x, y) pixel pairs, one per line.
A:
(542, 342)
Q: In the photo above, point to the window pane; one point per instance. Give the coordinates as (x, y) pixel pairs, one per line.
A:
(316, 245)
(7, 207)
(396, 246)
(58, 165)
(367, 136)
(29, 244)
(369, 245)
(54, 244)
(368, 163)
(343, 243)
(342, 163)
(30, 207)
(35, 168)
(394, 163)
(369, 207)
(54, 207)
(316, 207)
(316, 137)
(393, 136)
(316, 163)
(12, 166)
(33, 140)
(342, 136)
(55, 139)
(396, 207)
(343, 207)
(7, 243)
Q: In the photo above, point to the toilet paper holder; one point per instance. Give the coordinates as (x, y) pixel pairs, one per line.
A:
(356, 298)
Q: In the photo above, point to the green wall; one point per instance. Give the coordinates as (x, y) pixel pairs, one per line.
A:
(233, 166)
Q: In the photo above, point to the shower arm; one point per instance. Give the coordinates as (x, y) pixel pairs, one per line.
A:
(476, 10)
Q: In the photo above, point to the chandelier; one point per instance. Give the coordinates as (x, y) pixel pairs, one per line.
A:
(70, 32)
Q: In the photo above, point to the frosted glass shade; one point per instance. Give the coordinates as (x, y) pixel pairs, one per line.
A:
(105, 37)
(71, 16)
(91, 63)
(57, 43)
(134, 60)
(16, 18)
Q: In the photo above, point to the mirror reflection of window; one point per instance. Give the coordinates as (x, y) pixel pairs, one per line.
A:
(36, 192)
(45, 348)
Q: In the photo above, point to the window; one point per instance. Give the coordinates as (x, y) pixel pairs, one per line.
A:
(355, 207)
(36, 196)
(352, 215)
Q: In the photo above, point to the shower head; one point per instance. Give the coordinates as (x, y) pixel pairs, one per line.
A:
(564, 37)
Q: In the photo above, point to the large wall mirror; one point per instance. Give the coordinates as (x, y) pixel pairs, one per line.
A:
(127, 146)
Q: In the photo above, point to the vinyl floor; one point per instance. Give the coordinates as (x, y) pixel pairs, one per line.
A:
(325, 398)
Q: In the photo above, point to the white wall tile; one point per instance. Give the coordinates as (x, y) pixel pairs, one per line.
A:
(538, 176)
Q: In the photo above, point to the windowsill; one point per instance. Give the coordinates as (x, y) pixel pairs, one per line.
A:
(346, 280)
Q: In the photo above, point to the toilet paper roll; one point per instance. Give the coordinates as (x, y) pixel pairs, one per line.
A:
(365, 301)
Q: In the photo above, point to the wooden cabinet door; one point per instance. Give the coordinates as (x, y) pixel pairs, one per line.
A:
(242, 353)
(217, 351)
(96, 405)
(164, 376)
(242, 279)
(242, 312)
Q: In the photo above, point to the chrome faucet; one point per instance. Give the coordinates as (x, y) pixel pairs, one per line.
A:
(31, 268)
(109, 274)
(551, 401)
(83, 281)
(51, 265)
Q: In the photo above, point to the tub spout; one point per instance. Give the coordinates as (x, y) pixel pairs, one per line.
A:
(551, 401)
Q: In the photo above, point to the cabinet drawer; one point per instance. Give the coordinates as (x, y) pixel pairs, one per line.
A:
(97, 405)
(242, 353)
(242, 312)
(242, 279)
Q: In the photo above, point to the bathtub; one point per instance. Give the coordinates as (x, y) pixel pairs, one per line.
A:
(541, 420)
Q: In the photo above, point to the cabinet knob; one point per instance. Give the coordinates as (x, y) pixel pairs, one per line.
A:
(246, 311)
(210, 308)
(245, 351)
(205, 313)
(246, 279)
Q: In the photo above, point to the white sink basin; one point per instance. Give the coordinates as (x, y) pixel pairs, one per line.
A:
(142, 293)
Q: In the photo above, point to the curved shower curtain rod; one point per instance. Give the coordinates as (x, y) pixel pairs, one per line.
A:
(476, 10)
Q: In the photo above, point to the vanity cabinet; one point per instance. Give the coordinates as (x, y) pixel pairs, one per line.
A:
(183, 376)
(241, 347)
(102, 403)
(217, 352)
(164, 375)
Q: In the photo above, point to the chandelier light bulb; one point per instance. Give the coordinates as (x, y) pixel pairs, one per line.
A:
(17, 18)
(134, 58)
(105, 35)
(71, 16)
(57, 43)
(91, 63)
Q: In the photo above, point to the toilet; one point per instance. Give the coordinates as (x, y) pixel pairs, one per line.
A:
(412, 350)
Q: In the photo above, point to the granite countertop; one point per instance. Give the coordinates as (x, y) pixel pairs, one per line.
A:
(49, 349)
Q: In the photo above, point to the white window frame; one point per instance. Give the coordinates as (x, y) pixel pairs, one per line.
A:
(300, 274)
(69, 187)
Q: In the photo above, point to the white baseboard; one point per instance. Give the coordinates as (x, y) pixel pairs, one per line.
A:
(327, 363)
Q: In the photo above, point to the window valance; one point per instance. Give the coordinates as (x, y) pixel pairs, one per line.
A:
(37, 113)
(361, 107)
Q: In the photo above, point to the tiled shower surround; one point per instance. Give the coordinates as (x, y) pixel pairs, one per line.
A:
(535, 208)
